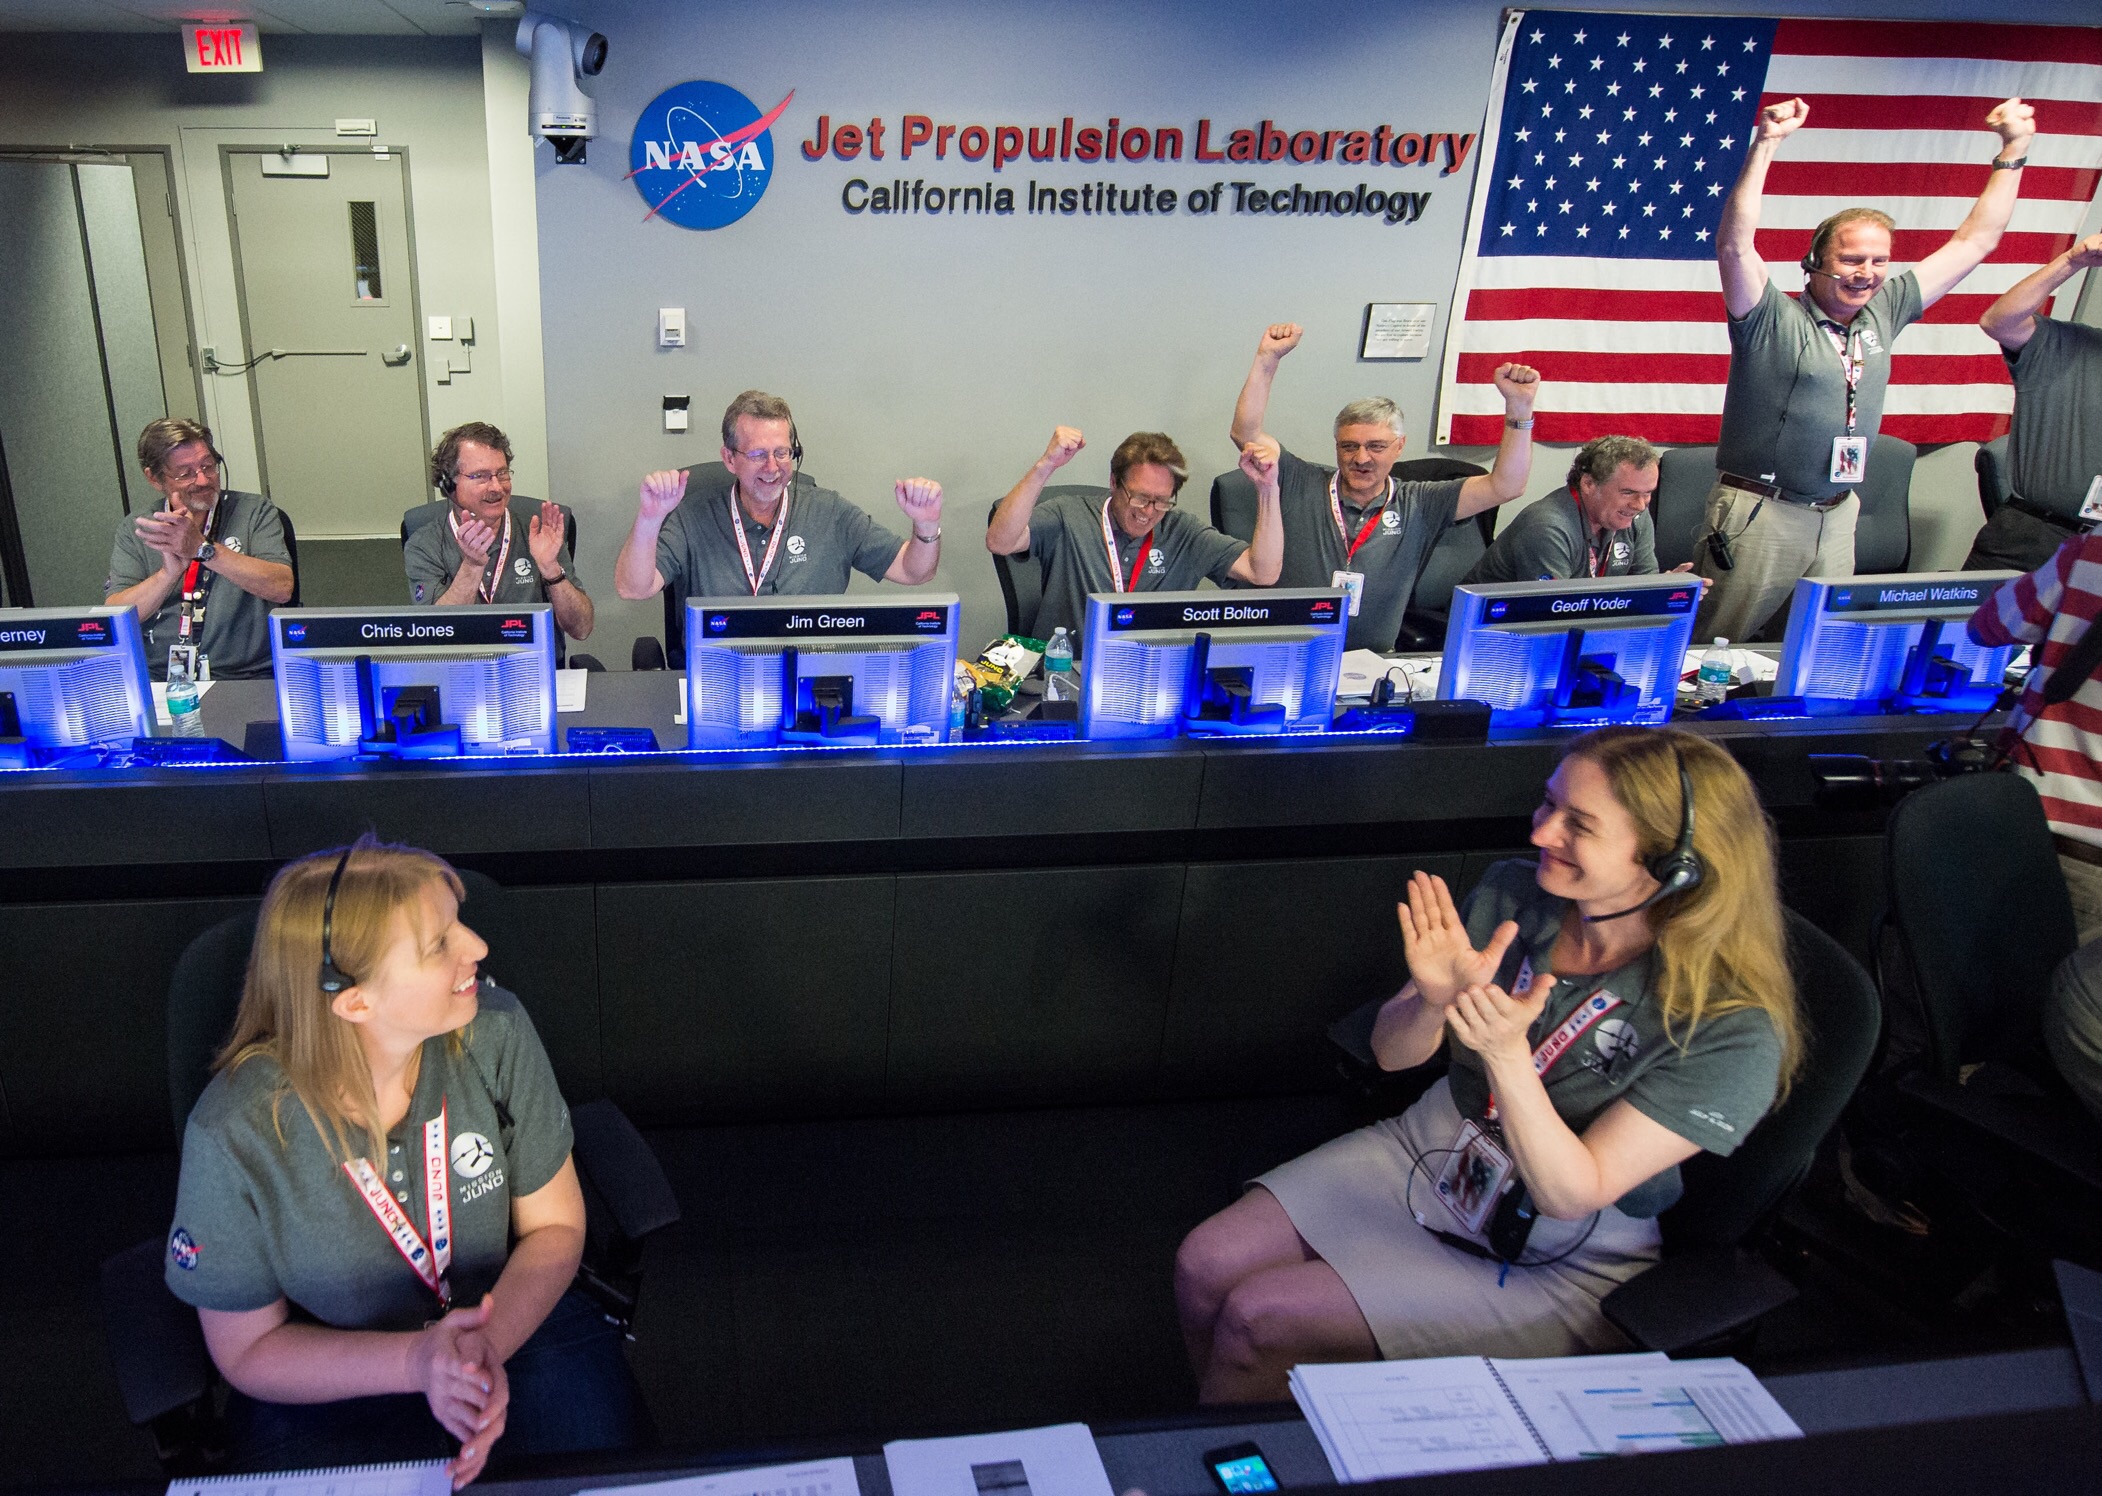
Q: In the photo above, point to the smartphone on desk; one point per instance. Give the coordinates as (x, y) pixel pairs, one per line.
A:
(1239, 1469)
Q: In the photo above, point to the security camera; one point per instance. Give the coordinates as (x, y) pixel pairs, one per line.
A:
(564, 54)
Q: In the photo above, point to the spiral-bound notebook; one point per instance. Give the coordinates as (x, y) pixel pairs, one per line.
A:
(1379, 1419)
(409, 1478)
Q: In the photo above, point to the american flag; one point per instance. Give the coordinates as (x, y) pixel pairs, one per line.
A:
(1590, 247)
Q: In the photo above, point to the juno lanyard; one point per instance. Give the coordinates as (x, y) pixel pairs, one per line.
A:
(1851, 363)
(773, 541)
(196, 583)
(1594, 558)
(431, 1263)
(493, 574)
(1138, 562)
(1565, 1034)
(1335, 507)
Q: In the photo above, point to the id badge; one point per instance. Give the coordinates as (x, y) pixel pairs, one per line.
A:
(184, 655)
(1475, 1173)
(2091, 506)
(1849, 458)
(1352, 582)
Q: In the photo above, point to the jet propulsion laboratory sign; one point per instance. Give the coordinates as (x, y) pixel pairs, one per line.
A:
(702, 154)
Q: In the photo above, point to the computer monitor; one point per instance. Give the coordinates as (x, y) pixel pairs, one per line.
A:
(414, 682)
(1578, 652)
(1890, 643)
(1211, 663)
(831, 671)
(76, 678)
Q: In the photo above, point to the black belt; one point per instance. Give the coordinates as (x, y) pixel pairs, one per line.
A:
(1774, 491)
(2038, 511)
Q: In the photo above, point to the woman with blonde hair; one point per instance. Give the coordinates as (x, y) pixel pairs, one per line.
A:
(378, 1220)
(1615, 1007)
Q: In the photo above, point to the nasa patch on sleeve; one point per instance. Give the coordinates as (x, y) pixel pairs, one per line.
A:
(182, 1250)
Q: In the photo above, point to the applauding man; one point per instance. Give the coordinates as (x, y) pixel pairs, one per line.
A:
(1353, 526)
(1807, 375)
(767, 529)
(489, 547)
(1135, 539)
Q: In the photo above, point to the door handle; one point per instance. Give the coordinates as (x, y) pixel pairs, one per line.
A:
(397, 358)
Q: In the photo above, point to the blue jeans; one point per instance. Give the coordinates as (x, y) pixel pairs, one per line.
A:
(571, 1391)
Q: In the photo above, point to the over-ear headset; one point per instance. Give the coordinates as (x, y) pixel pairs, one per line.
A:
(1677, 870)
(795, 445)
(333, 977)
(447, 483)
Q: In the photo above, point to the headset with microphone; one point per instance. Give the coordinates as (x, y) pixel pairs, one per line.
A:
(334, 978)
(1679, 870)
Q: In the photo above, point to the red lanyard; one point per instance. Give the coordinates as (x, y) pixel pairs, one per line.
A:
(1138, 562)
(1851, 363)
(1335, 507)
(195, 583)
(494, 573)
(432, 1263)
(773, 541)
(1595, 558)
(1565, 1034)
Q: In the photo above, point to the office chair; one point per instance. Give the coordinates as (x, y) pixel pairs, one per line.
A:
(1022, 577)
(1685, 475)
(1991, 467)
(164, 1370)
(1709, 1288)
(292, 553)
(1883, 534)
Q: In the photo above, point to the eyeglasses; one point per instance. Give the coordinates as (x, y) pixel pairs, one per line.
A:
(489, 475)
(1374, 450)
(1148, 501)
(191, 473)
(760, 454)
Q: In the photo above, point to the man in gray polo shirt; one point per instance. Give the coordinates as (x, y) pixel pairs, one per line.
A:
(1598, 526)
(768, 530)
(1134, 539)
(1353, 526)
(206, 570)
(2054, 450)
(489, 547)
(1807, 375)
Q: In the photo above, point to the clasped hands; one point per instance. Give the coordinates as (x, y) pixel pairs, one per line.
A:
(462, 1378)
(1454, 977)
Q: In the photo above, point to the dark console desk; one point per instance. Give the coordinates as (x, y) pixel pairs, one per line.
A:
(829, 932)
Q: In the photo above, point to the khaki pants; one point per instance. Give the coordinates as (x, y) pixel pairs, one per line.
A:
(2084, 887)
(1786, 543)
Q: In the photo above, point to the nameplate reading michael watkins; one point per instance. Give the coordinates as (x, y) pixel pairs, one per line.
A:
(1581, 609)
(57, 633)
(426, 628)
(1963, 596)
(1230, 611)
(824, 622)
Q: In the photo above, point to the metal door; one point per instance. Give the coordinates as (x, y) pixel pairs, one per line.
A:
(323, 262)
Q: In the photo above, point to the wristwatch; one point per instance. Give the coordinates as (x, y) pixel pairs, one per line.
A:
(2015, 165)
(206, 551)
(560, 576)
(928, 539)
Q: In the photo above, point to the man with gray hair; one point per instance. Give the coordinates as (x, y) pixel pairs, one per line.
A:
(1598, 526)
(1354, 526)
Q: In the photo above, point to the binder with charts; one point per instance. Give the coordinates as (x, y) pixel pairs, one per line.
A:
(409, 1478)
(1379, 1419)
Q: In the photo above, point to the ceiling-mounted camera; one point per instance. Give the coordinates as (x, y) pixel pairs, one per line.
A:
(564, 55)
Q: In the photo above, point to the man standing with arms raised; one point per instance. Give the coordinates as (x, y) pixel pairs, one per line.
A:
(1807, 375)
(1353, 526)
(768, 532)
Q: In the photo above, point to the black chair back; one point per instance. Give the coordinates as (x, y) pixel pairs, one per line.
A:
(1022, 577)
(1727, 1199)
(1233, 504)
(1982, 917)
(204, 992)
(1680, 510)
(1991, 467)
(1883, 534)
(291, 551)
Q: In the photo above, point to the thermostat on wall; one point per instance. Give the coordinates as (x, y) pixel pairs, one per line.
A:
(676, 414)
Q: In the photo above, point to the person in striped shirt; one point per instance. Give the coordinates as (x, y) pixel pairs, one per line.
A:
(2058, 745)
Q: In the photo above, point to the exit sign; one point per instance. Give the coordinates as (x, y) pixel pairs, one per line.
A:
(224, 47)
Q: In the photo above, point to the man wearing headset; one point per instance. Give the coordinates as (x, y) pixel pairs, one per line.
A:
(769, 529)
(1807, 375)
(489, 547)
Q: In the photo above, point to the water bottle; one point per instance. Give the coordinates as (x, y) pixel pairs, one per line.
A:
(1060, 683)
(1712, 685)
(184, 718)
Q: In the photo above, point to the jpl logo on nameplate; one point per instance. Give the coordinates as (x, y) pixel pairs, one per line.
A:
(702, 154)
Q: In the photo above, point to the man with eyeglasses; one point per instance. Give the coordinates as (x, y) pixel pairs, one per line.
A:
(1355, 526)
(489, 547)
(769, 530)
(204, 572)
(1135, 539)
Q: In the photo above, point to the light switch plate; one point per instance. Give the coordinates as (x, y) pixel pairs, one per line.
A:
(671, 327)
(441, 329)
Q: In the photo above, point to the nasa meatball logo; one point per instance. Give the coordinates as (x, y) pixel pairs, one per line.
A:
(472, 1155)
(182, 1250)
(796, 547)
(702, 154)
(1390, 518)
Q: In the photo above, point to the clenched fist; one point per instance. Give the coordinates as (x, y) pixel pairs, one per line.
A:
(1279, 338)
(661, 493)
(1777, 121)
(1065, 442)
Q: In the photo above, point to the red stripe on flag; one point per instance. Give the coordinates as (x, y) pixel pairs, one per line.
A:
(1564, 366)
(1871, 180)
(1598, 306)
(1578, 427)
(1938, 39)
(1897, 112)
(1910, 246)
(1926, 431)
